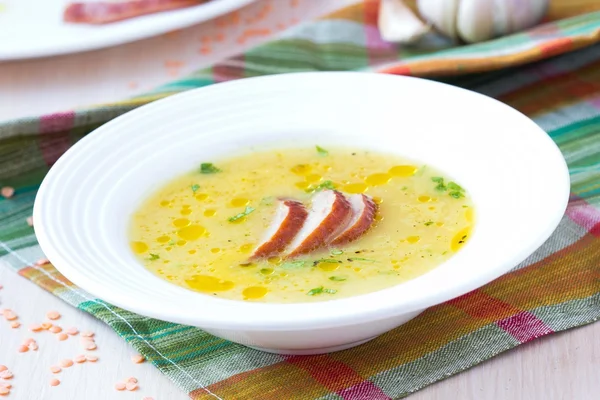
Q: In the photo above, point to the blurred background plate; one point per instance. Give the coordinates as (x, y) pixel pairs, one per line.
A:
(34, 28)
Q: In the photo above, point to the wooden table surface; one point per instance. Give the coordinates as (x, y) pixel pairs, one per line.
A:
(562, 366)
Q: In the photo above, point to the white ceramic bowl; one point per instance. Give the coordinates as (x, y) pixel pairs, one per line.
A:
(516, 175)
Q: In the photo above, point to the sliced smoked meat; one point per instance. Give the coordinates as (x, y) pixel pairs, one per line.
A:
(289, 220)
(103, 12)
(330, 213)
(363, 215)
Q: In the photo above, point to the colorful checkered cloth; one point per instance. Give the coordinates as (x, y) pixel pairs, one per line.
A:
(557, 288)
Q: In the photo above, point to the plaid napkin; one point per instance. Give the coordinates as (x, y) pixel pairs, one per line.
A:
(557, 288)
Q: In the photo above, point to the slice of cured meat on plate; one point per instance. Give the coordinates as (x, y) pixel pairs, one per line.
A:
(103, 12)
(329, 215)
(289, 220)
(364, 210)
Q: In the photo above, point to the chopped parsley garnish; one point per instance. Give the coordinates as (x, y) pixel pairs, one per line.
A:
(440, 183)
(208, 168)
(337, 278)
(327, 260)
(454, 189)
(241, 215)
(195, 187)
(455, 186)
(361, 259)
(320, 290)
(154, 257)
(428, 223)
(293, 264)
(404, 188)
(337, 252)
(322, 151)
(321, 186)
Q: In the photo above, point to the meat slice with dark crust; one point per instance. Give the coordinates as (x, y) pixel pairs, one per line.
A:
(330, 213)
(364, 210)
(289, 220)
(103, 12)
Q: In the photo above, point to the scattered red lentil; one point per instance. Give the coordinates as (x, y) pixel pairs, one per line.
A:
(15, 324)
(5, 384)
(30, 221)
(72, 331)
(79, 359)
(132, 379)
(147, 398)
(7, 192)
(138, 358)
(55, 369)
(120, 386)
(23, 349)
(4, 391)
(66, 363)
(46, 325)
(54, 382)
(9, 315)
(6, 374)
(91, 358)
(42, 261)
(33, 346)
(131, 386)
(90, 346)
(35, 328)
(205, 50)
(28, 341)
(3, 368)
(55, 329)
(87, 334)
(62, 336)
(53, 315)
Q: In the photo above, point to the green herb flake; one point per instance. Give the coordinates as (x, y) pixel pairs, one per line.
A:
(195, 187)
(404, 188)
(437, 179)
(361, 259)
(154, 257)
(241, 215)
(319, 290)
(455, 187)
(428, 223)
(337, 252)
(321, 186)
(328, 260)
(337, 279)
(456, 194)
(315, 291)
(322, 151)
(208, 168)
(293, 264)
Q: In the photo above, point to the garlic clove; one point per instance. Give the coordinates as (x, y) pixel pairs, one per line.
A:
(398, 24)
(475, 20)
(518, 15)
(442, 14)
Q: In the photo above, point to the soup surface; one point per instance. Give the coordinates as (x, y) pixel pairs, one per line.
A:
(200, 230)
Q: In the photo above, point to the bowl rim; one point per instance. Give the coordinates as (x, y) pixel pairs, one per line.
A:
(299, 317)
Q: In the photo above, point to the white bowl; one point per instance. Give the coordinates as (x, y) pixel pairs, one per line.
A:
(515, 174)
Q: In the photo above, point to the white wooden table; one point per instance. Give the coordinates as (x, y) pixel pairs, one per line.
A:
(562, 366)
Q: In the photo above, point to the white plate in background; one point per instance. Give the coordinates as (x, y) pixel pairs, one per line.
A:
(35, 28)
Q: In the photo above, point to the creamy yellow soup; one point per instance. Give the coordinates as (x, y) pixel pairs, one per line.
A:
(200, 230)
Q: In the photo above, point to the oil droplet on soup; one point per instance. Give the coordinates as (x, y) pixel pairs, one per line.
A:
(204, 240)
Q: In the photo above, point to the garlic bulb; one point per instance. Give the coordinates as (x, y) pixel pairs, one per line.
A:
(467, 20)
